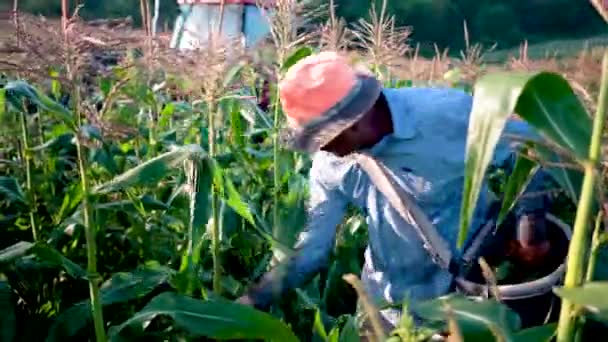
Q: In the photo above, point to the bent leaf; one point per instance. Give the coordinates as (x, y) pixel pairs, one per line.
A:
(153, 170)
(215, 318)
(544, 100)
(16, 91)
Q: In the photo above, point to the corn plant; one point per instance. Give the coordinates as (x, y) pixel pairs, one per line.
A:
(549, 105)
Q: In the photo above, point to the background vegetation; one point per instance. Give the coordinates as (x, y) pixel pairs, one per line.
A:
(503, 22)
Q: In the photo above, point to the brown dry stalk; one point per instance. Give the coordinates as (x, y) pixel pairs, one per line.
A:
(602, 7)
(369, 307)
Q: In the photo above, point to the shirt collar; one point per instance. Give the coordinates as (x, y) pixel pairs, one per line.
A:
(404, 126)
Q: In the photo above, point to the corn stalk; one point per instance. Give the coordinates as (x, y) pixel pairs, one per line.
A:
(89, 224)
(569, 314)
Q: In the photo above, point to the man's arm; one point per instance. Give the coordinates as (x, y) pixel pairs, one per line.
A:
(327, 207)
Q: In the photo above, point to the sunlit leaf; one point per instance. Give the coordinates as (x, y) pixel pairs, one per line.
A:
(55, 144)
(232, 74)
(153, 170)
(216, 318)
(542, 99)
(235, 201)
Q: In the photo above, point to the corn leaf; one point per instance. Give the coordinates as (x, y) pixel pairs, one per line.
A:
(215, 318)
(120, 288)
(543, 333)
(544, 100)
(8, 323)
(591, 296)
(11, 190)
(349, 332)
(295, 57)
(44, 253)
(15, 251)
(17, 91)
(478, 321)
(520, 176)
(151, 171)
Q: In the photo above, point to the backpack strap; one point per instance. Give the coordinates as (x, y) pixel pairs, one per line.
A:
(406, 206)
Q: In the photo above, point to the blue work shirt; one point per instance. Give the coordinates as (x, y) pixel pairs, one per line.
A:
(426, 151)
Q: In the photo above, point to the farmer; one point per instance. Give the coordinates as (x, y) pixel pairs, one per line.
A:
(334, 110)
(240, 19)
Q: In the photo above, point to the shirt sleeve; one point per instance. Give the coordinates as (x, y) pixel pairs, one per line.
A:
(326, 209)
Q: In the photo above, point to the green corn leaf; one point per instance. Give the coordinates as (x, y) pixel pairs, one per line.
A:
(51, 255)
(235, 202)
(543, 99)
(591, 296)
(153, 170)
(8, 323)
(543, 333)
(232, 74)
(295, 57)
(120, 288)
(216, 318)
(15, 251)
(477, 320)
(334, 335)
(3, 103)
(16, 91)
(349, 332)
(318, 326)
(521, 175)
(11, 190)
(45, 253)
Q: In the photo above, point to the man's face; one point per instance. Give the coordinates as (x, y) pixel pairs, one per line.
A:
(363, 134)
(345, 143)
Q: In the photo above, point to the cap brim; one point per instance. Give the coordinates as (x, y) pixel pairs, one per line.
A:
(313, 136)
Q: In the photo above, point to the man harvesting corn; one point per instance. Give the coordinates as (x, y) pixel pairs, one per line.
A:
(335, 111)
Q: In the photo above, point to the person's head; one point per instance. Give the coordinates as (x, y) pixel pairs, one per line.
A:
(332, 106)
(364, 133)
